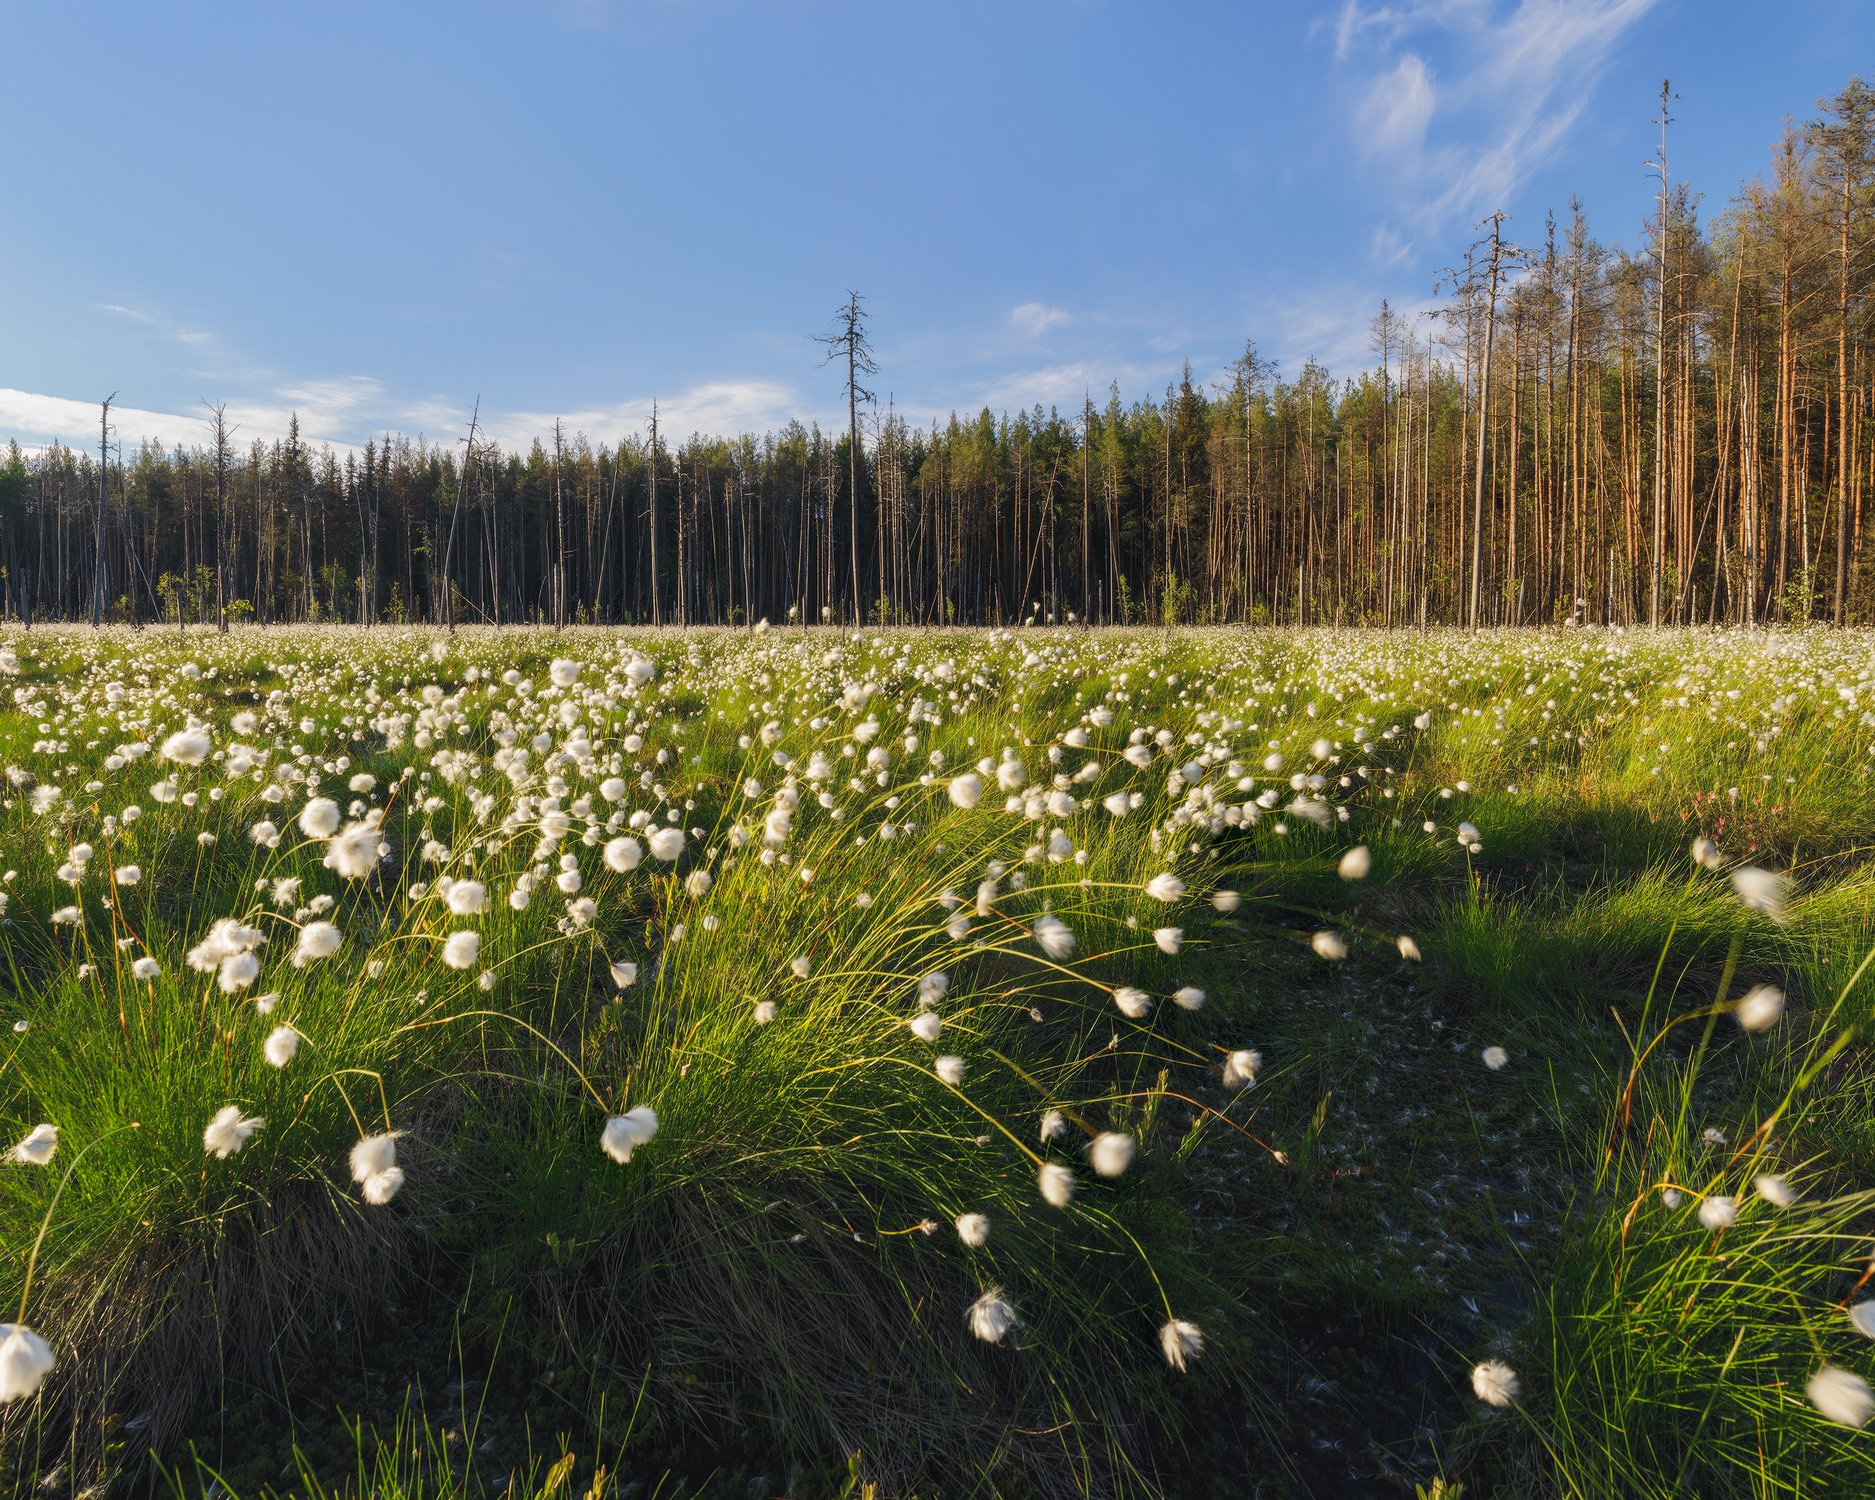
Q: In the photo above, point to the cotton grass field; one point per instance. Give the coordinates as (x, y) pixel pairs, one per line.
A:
(1034, 1063)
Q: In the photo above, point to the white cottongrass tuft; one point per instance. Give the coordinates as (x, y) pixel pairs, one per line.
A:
(1181, 1342)
(1056, 1183)
(462, 949)
(1718, 1211)
(319, 818)
(667, 844)
(1761, 890)
(1495, 1058)
(624, 1134)
(1054, 1124)
(1111, 1153)
(966, 790)
(281, 1046)
(1188, 997)
(1355, 863)
(1495, 1383)
(467, 898)
(1774, 1190)
(317, 940)
(765, 1011)
(622, 854)
(949, 1069)
(1329, 945)
(1134, 1002)
(974, 1230)
(1053, 935)
(1706, 853)
(1240, 1068)
(1165, 886)
(1842, 1396)
(187, 747)
(146, 968)
(25, 1361)
(1226, 901)
(933, 988)
(36, 1147)
(925, 1026)
(375, 1169)
(237, 972)
(229, 1131)
(801, 967)
(353, 851)
(624, 973)
(991, 1317)
(1408, 948)
(1862, 1315)
(1169, 939)
(1761, 1008)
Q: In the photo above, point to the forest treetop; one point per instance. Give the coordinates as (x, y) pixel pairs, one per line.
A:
(1676, 432)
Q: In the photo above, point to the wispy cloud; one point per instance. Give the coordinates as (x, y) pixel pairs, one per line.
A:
(158, 322)
(1398, 108)
(346, 411)
(1036, 318)
(1521, 79)
(1333, 326)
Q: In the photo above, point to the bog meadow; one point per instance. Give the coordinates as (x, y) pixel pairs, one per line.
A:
(1028, 1062)
(838, 752)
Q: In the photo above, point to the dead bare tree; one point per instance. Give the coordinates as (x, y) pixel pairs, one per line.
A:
(104, 470)
(848, 341)
(462, 497)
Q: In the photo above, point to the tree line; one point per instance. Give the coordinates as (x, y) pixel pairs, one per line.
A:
(1675, 432)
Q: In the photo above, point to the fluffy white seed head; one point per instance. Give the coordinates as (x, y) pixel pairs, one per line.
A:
(462, 949)
(1718, 1211)
(624, 1134)
(1181, 1342)
(1761, 1008)
(319, 818)
(25, 1361)
(1056, 1183)
(623, 854)
(1842, 1396)
(281, 1046)
(1761, 890)
(1495, 1383)
(317, 940)
(667, 844)
(228, 1132)
(991, 1317)
(1165, 886)
(36, 1147)
(1110, 1153)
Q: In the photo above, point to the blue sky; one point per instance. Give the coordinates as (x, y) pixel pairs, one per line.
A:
(375, 213)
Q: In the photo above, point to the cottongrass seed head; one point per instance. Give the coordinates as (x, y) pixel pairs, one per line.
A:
(1495, 1383)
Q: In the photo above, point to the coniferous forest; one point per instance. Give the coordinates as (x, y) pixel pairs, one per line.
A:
(1668, 428)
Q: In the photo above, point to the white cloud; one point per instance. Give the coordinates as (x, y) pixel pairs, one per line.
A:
(1518, 82)
(1036, 318)
(1388, 247)
(1399, 108)
(34, 418)
(714, 407)
(345, 411)
(1333, 327)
